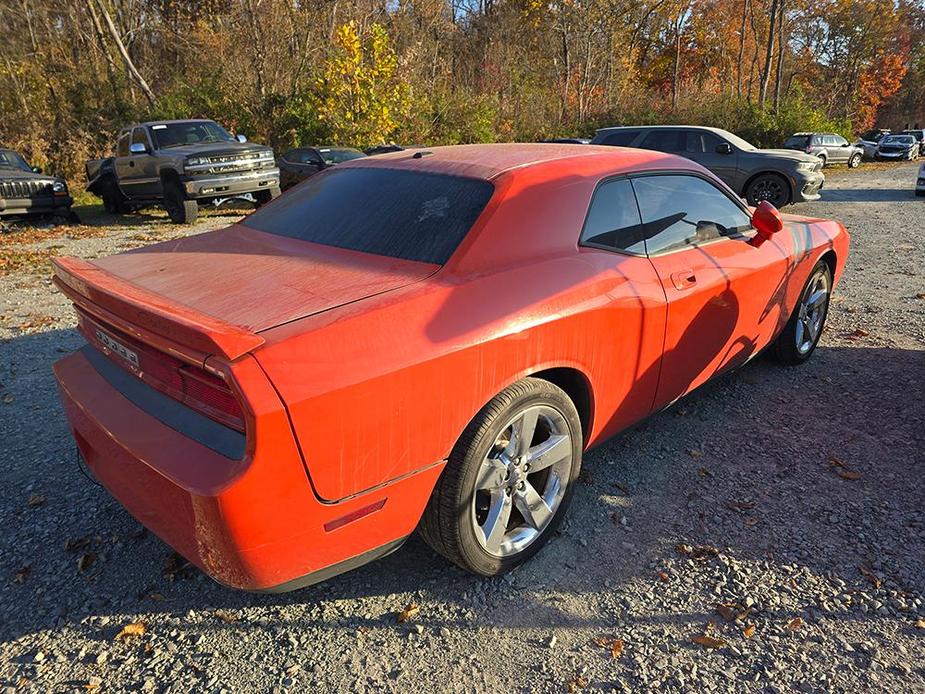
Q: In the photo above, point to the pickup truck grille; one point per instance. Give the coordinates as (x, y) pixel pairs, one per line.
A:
(233, 162)
(25, 189)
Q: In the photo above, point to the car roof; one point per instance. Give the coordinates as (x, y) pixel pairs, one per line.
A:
(171, 122)
(661, 127)
(489, 161)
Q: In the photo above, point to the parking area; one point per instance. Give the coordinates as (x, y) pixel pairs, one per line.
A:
(766, 533)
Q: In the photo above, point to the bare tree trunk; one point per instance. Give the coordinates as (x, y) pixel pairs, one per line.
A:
(257, 61)
(129, 65)
(741, 48)
(781, 47)
(101, 39)
(769, 53)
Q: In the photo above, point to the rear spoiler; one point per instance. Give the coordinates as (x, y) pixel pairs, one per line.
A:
(93, 288)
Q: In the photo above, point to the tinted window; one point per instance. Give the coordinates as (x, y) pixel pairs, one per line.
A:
(613, 219)
(336, 156)
(302, 156)
(700, 142)
(12, 160)
(401, 214)
(664, 141)
(680, 211)
(122, 145)
(797, 142)
(619, 138)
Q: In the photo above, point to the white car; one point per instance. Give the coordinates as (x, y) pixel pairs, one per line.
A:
(920, 182)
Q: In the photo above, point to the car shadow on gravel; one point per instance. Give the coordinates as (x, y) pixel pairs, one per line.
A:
(743, 465)
(870, 194)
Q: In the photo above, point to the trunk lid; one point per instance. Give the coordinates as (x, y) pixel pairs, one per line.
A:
(215, 292)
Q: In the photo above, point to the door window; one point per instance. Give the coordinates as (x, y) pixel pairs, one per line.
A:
(620, 138)
(679, 211)
(122, 145)
(700, 142)
(613, 221)
(664, 141)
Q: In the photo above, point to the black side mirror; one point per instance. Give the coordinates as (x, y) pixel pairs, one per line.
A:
(724, 148)
(36, 169)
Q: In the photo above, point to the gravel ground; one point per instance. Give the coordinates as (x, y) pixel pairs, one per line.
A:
(778, 512)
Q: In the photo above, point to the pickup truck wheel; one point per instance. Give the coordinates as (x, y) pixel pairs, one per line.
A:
(113, 200)
(508, 480)
(179, 209)
(264, 196)
(855, 161)
(770, 187)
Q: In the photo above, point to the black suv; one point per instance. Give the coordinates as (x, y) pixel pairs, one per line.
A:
(25, 190)
(780, 176)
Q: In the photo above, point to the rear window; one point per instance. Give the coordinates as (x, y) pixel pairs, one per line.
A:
(390, 212)
(797, 142)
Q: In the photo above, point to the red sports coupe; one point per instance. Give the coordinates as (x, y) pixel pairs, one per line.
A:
(424, 339)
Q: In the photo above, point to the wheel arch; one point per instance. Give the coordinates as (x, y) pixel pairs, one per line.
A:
(578, 388)
(751, 179)
(831, 260)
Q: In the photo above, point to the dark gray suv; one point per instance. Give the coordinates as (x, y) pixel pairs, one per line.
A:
(780, 176)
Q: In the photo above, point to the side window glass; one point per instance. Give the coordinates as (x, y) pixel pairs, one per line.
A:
(122, 145)
(700, 142)
(621, 138)
(680, 211)
(613, 221)
(663, 141)
(840, 141)
(139, 137)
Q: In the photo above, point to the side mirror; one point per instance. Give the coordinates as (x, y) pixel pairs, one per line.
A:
(36, 169)
(240, 138)
(137, 148)
(724, 148)
(767, 222)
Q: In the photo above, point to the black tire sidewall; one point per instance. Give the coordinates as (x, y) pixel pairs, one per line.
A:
(469, 460)
(785, 348)
(754, 201)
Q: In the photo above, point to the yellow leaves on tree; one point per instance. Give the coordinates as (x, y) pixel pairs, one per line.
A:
(361, 97)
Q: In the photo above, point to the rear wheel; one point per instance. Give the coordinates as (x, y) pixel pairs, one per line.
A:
(770, 187)
(508, 481)
(113, 200)
(823, 159)
(799, 338)
(264, 196)
(855, 161)
(179, 209)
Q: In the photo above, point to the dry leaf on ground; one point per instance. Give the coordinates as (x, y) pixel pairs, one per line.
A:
(22, 574)
(748, 631)
(36, 499)
(577, 683)
(794, 624)
(410, 612)
(86, 561)
(920, 623)
(226, 616)
(708, 641)
(610, 642)
(132, 630)
(870, 576)
(697, 553)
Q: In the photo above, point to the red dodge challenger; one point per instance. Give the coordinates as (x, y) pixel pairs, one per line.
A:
(424, 339)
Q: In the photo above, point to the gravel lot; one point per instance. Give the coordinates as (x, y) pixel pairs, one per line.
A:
(726, 516)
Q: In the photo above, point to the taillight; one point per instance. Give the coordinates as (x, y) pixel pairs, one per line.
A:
(195, 387)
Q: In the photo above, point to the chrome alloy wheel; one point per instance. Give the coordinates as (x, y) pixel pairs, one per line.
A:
(522, 480)
(811, 312)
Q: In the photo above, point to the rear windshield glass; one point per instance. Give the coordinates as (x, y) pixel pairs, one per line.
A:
(797, 142)
(400, 214)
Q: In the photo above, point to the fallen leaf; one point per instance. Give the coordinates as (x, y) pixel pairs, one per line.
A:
(74, 543)
(870, 576)
(617, 649)
(410, 612)
(751, 522)
(920, 295)
(708, 641)
(226, 616)
(157, 597)
(615, 517)
(22, 574)
(748, 631)
(8, 399)
(703, 472)
(577, 683)
(794, 624)
(920, 623)
(86, 561)
(132, 630)
(857, 333)
(36, 499)
(698, 553)
(663, 576)
(695, 453)
(731, 611)
(848, 474)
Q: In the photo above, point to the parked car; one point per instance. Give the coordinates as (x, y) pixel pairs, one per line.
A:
(301, 162)
(421, 342)
(829, 147)
(780, 176)
(920, 182)
(919, 136)
(383, 149)
(569, 141)
(869, 141)
(181, 164)
(897, 147)
(25, 190)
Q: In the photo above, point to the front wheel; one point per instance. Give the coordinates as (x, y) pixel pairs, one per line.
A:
(855, 161)
(799, 338)
(179, 209)
(770, 187)
(264, 196)
(508, 480)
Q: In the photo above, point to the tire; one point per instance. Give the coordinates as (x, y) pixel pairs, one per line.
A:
(823, 159)
(264, 196)
(473, 488)
(179, 209)
(855, 161)
(920, 193)
(798, 340)
(113, 200)
(770, 187)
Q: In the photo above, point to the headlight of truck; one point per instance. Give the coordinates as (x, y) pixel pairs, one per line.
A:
(806, 166)
(195, 161)
(59, 187)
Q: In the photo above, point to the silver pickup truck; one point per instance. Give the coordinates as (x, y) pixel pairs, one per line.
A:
(180, 165)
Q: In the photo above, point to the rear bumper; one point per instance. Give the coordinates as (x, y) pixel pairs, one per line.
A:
(230, 185)
(43, 205)
(252, 523)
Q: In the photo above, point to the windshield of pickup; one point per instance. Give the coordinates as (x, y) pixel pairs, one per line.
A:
(391, 212)
(12, 160)
(188, 133)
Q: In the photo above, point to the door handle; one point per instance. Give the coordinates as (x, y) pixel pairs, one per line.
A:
(685, 279)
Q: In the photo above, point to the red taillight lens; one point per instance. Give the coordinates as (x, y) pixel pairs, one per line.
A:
(195, 387)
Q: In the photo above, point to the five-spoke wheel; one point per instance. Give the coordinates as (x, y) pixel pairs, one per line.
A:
(800, 336)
